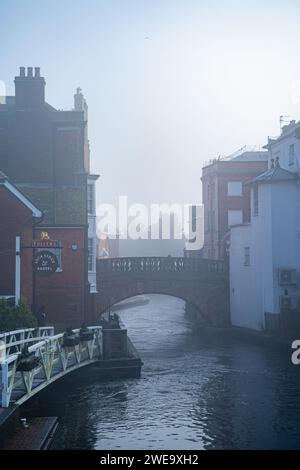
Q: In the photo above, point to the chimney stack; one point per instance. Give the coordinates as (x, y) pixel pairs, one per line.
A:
(79, 103)
(30, 90)
(78, 100)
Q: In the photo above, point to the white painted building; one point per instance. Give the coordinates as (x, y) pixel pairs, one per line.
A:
(92, 232)
(286, 148)
(265, 254)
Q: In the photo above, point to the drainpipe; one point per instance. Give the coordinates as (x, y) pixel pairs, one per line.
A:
(33, 273)
(18, 271)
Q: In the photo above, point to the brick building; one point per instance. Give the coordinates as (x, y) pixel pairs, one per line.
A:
(18, 216)
(226, 198)
(45, 153)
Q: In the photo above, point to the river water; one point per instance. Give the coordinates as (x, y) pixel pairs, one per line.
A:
(198, 390)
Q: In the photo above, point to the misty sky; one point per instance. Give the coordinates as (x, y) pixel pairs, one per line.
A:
(212, 77)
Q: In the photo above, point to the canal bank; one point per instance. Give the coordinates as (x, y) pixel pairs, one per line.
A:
(17, 433)
(197, 391)
(282, 336)
(118, 358)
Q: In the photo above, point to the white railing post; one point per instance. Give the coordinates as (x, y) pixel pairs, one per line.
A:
(101, 342)
(4, 385)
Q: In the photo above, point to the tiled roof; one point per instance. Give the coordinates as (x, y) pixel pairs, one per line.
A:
(275, 174)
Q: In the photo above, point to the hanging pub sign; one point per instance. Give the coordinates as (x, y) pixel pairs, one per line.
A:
(45, 262)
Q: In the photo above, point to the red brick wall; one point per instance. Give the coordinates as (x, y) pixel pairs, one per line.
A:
(26, 265)
(237, 171)
(15, 220)
(220, 173)
(63, 293)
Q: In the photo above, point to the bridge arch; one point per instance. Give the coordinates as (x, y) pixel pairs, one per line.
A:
(201, 315)
(201, 283)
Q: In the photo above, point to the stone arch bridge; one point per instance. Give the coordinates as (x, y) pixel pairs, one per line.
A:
(202, 283)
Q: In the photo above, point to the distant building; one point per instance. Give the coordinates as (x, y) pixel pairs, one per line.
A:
(18, 216)
(265, 253)
(161, 239)
(226, 199)
(107, 246)
(45, 153)
(150, 247)
(286, 148)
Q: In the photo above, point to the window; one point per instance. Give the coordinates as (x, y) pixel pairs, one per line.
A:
(211, 221)
(291, 154)
(91, 255)
(90, 199)
(210, 191)
(255, 200)
(246, 256)
(235, 188)
(208, 221)
(235, 217)
(194, 220)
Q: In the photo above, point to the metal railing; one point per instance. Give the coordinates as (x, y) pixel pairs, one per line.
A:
(55, 360)
(15, 340)
(224, 158)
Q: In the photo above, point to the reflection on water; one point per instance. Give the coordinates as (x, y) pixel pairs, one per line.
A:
(197, 391)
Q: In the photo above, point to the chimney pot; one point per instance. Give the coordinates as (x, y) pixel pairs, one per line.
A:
(37, 72)
(29, 72)
(22, 71)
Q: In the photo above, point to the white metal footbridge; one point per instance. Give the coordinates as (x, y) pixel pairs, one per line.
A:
(55, 360)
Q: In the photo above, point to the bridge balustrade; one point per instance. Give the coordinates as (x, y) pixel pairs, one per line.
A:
(159, 264)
